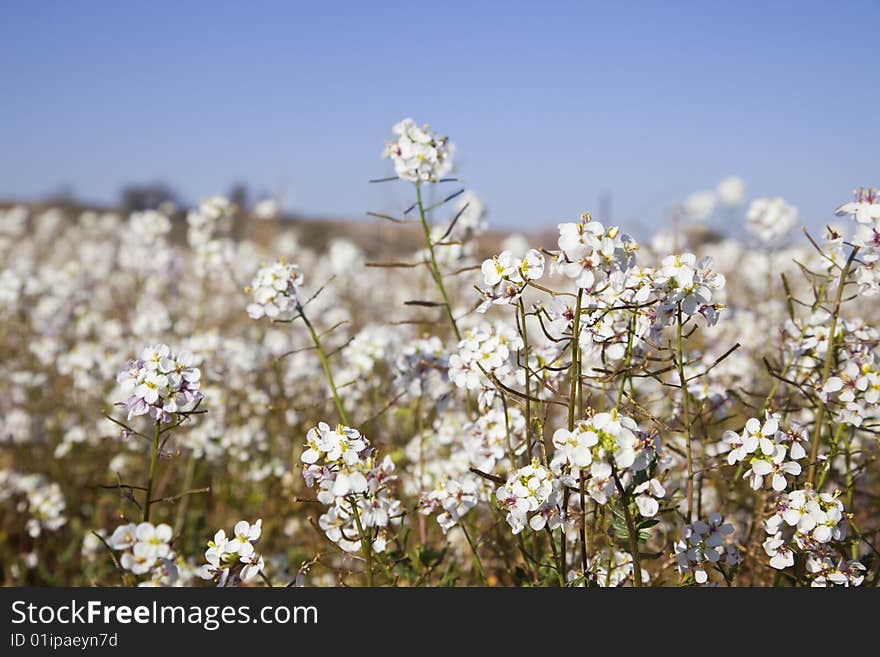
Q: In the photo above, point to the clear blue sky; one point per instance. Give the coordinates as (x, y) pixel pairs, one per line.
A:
(548, 102)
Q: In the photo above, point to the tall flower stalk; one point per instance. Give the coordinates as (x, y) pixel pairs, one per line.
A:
(826, 367)
(436, 274)
(325, 365)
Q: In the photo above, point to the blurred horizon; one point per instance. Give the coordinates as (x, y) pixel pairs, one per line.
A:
(623, 110)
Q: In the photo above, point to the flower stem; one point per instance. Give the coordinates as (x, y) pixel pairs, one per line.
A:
(154, 456)
(435, 270)
(478, 565)
(583, 534)
(322, 356)
(627, 363)
(525, 351)
(366, 543)
(826, 369)
(686, 419)
(631, 531)
(575, 359)
(572, 404)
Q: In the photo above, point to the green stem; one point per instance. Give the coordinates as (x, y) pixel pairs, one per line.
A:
(322, 356)
(525, 337)
(435, 270)
(572, 404)
(478, 565)
(826, 369)
(686, 419)
(575, 359)
(583, 537)
(366, 543)
(184, 503)
(631, 531)
(154, 457)
(626, 363)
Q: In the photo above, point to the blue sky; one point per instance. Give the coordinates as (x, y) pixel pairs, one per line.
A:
(549, 103)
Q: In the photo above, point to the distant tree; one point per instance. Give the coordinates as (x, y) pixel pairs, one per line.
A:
(239, 194)
(64, 194)
(146, 196)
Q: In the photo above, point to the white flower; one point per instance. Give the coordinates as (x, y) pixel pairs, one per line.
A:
(806, 521)
(703, 545)
(231, 561)
(770, 219)
(123, 537)
(419, 155)
(353, 483)
(700, 206)
(243, 535)
(253, 565)
(731, 190)
(576, 445)
(602, 443)
(275, 290)
(683, 282)
(531, 267)
(647, 495)
(150, 226)
(589, 253)
(496, 268)
(507, 275)
(161, 383)
(155, 538)
(530, 490)
(140, 560)
(781, 555)
(488, 348)
(452, 499)
(865, 209)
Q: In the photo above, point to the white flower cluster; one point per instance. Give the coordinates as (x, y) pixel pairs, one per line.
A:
(213, 215)
(490, 438)
(770, 219)
(699, 206)
(599, 445)
(826, 568)
(683, 282)
(421, 368)
(531, 495)
(484, 349)
(450, 500)
(43, 500)
(731, 191)
(150, 226)
(160, 383)
(275, 288)
(810, 522)
(233, 560)
(267, 209)
(610, 568)
(703, 545)
(341, 463)
(589, 253)
(864, 208)
(507, 276)
(419, 155)
(362, 360)
(146, 549)
(471, 214)
(208, 228)
(771, 454)
(856, 388)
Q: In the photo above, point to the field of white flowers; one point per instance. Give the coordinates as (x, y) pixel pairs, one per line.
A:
(217, 410)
